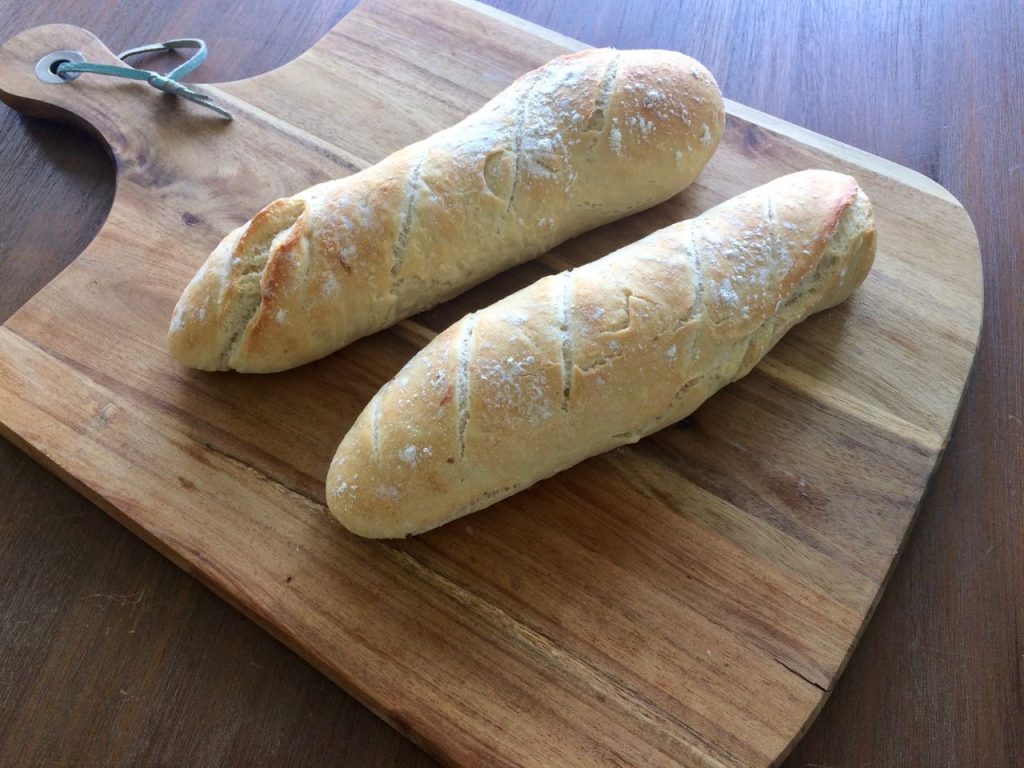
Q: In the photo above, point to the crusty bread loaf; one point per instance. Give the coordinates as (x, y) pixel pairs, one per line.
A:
(585, 139)
(590, 359)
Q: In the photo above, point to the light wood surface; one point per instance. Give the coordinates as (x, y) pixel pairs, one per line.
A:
(690, 599)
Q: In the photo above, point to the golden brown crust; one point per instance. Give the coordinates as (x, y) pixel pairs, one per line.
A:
(600, 356)
(586, 139)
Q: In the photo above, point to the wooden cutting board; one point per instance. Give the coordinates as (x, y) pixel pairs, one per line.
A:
(686, 601)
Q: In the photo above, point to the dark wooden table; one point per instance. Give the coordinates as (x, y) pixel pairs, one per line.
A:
(109, 655)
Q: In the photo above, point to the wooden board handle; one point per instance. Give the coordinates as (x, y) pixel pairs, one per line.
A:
(129, 116)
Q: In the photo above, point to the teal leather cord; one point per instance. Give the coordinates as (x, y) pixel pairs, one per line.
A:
(167, 83)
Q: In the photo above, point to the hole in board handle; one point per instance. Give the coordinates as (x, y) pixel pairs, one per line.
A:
(46, 67)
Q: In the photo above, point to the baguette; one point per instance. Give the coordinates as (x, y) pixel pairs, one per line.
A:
(586, 139)
(600, 356)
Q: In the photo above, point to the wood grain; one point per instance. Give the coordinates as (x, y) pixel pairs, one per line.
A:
(680, 602)
(1010, 743)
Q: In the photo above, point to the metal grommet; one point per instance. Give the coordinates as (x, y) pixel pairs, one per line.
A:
(46, 66)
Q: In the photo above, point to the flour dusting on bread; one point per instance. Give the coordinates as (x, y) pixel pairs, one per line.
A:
(586, 139)
(603, 355)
